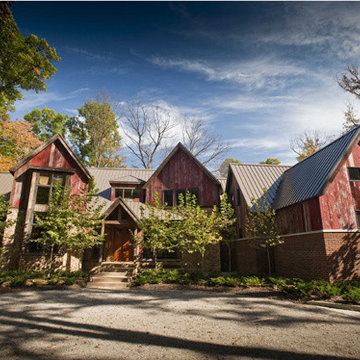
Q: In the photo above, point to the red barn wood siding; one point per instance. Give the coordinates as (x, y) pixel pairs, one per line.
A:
(342, 198)
(301, 217)
(54, 156)
(182, 172)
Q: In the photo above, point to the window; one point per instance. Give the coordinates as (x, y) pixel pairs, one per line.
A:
(168, 197)
(354, 173)
(358, 218)
(45, 184)
(178, 192)
(194, 191)
(238, 196)
(127, 193)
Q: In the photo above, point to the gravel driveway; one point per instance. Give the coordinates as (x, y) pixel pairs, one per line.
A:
(170, 324)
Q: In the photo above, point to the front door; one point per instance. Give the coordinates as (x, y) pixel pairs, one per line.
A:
(122, 246)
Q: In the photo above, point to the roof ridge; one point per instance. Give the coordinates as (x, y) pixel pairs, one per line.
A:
(355, 129)
(114, 168)
(279, 165)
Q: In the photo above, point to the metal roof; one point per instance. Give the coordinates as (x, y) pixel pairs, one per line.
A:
(222, 182)
(6, 182)
(253, 178)
(103, 176)
(309, 177)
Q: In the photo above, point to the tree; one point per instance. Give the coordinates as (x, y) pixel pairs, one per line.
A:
(350, 81)
(94, 134)
(271, 161)
(201, 141)
(224, 167)
(158, 227)
(351, 120)
(72, 223)
(25, 61)
(4, 211)
(16, 141)
(146, 127)
(307, 143)
(198, 228)
(262, 227)
(46, 122)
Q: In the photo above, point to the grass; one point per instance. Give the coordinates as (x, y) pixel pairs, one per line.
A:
(36, 278)
(294, 287)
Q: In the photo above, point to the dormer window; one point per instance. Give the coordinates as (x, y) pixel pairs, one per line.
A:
(126, 193)
(354, 173)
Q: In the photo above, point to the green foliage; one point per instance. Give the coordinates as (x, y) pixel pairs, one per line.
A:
(4, 211)
(224, 167)
(46, 122)
(94, 135)
(35, 278)
(262, 227)
(73, 221)
(158, 227)
(200, 228)
(298, 288)
(271, 161)
(25, 63)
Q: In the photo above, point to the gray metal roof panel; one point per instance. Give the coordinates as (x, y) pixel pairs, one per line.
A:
(222, 182)
(6, 182)
(307, 178)
(253, 178)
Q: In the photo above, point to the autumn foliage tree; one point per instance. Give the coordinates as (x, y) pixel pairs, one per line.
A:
(16, 141)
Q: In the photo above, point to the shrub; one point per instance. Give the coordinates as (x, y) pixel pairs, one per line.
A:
(352, 294)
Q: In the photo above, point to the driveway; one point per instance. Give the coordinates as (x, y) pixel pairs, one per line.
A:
(170, 324)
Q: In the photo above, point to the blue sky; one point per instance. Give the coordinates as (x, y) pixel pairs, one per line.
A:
(259, 73)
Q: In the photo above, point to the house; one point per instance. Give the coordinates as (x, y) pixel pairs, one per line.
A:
(124, 192)
(317, 203)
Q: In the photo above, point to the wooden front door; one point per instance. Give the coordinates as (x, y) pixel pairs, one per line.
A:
(122, 246)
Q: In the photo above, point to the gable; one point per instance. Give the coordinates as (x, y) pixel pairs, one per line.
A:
(181, 171)
(55, 153)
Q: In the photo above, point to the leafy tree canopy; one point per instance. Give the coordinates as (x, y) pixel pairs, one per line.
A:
(224, 167)
(25, 61)
(16, 141)
(271, 161)
(95, 135)
(46, 122)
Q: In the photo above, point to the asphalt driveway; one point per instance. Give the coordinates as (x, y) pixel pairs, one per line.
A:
(173, 324)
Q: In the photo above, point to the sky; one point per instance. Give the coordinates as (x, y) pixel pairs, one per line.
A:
(257, 72)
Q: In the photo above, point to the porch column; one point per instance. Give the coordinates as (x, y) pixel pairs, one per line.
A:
(102, 245)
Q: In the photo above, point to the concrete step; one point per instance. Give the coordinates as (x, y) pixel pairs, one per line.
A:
(107, 285)
(100, 279)
(113, 274)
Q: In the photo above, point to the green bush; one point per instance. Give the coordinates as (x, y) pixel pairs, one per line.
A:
(295, 287)
(28, 278)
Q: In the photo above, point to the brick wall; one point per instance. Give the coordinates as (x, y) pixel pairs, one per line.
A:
(192, 262)
(328, 256)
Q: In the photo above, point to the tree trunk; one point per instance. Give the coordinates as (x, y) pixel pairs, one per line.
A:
(155, 259)
(229, 256)
(268, 258)
(202, 262)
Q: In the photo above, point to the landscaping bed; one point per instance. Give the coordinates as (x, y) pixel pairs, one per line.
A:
(19, 279)
(342, 291)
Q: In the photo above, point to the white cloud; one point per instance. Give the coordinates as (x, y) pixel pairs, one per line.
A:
(267, 72)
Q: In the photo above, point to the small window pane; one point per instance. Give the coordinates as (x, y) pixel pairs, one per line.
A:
(44, 179)
(136, 194)
(354, 173)
(127, 193)
(119, 193)
(168, 197)
(59, 179)
(358, 219)
(178, 192)
(43, 195)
